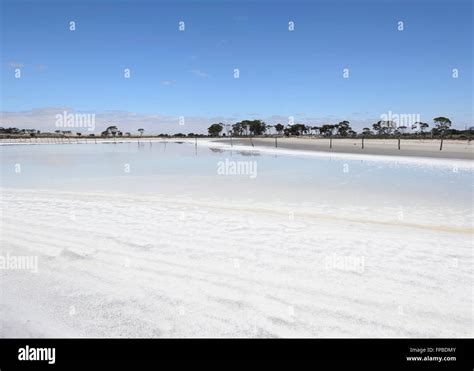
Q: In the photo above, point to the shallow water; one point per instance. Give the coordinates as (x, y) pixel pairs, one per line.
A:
(175, 169)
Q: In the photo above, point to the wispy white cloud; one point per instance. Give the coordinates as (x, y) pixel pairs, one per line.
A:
(168, 82)
(44, 119)
(199, 73)
(14, 64)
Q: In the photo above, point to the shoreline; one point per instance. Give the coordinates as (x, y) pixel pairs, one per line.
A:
(428, 148)
(417, 148)
(443, 162)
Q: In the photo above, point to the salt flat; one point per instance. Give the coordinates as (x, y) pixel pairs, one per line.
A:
(138, 267)
(171, 249)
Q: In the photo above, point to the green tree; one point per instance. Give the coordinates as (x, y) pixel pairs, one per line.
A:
(327, 130)
(257, 127)
(245, 127)
(343, 128)
(442, 124)
(306, 129)
(279, 128)
(111, 130)
(296, 129)
(214, 130)
(384, 127)
(317, 130)
(237, 129)
(422, 126)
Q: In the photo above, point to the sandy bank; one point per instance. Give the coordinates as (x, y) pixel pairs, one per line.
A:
(452, 149)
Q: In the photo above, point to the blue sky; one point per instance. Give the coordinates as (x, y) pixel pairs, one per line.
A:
(282, 73)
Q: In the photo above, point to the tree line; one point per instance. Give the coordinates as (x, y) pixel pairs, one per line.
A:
(441, 127)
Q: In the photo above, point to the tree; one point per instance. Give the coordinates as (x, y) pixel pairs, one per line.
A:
(242, 127)
(343, 128)
(296, 129)
(384, 127)
(214, 130)
(111, 130)
(227, 127)
(306, 129)
(245, 127)
(237, 129)
(377, 127)
(421, 125)
(442, 124)
(257, 127)
(327, 130)
(279, 128)
(141, 131)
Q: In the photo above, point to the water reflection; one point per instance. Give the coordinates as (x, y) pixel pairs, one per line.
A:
(160, 166)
